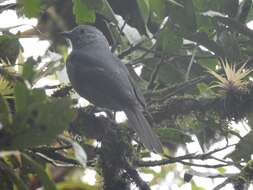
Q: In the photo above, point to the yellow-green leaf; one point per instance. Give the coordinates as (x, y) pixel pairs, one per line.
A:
(82, 12)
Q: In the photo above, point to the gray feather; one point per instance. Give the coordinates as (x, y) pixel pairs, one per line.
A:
(138, 123)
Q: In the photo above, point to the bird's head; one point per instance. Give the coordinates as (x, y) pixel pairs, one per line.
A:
(84, 35)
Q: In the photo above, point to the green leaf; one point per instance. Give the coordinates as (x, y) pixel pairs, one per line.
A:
(230, 46)
(195, 187)
(158, 10)
(13, 176)
(144, 9)
(202, 39)
(9, 48)
(5, 116)
(76, 185)
(6, 183)
(206, 128)
(168, 74)
(44, 122)
(250, 15)
(32, 8)
(207, 60)
(183, 15)
(230, 7)
(174, 2)
(199, 5)
(21, 94)
(94, 4)
(83, 13)
(168, 41)
(250, 120)
(221, 170)
(28, 69)
(108, 12)
(79, 152)
(46, 182)
(205, 90)
(102, 7)
(6, 85)
(244, 10)
(205, 24)
(38, 118)
(147, 170)
(171, 135)
(214, 5)
(243, 149)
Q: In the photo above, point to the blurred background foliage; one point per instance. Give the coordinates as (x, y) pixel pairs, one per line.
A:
(183, 47)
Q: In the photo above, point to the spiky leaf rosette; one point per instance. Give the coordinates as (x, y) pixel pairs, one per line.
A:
(234, 79)
(234, 86)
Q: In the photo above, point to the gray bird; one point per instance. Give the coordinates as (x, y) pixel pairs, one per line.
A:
(101, 78)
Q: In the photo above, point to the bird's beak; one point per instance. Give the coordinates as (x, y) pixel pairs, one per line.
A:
(66, 34)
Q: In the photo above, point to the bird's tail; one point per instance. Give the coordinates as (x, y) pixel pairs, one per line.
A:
(139, 123)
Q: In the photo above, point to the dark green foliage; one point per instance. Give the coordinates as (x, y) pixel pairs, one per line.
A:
(82, 12)
(183, 15)
(37, 119)
(243, 148)
(31, 8)
(173, 136)
(10, 48)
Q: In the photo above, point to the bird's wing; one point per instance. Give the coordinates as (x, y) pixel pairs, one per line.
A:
(105, 75)
(136, 89)
(138, 93)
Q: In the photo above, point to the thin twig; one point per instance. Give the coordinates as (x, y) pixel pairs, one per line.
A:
(223, 184)
(181, 159)
(203, 156)
(130, 49)
(172, 91)
(191, 63)
(209, 175)
(203, 165)
(236, 164)
(154, 74)
(47, 87)
(136, 46)
(55, 163)
(118, 37)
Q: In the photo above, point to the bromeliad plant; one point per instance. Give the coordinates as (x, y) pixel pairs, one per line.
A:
(234, 79)
(235, 88)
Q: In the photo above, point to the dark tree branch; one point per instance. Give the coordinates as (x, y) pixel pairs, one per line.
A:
(181, 159)
(223, 184)
(166, 93)
(209, 175)
(230, 105)
(130, 50)
(203, 165)
(132, 172)
(10, 6)
(239, 181)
